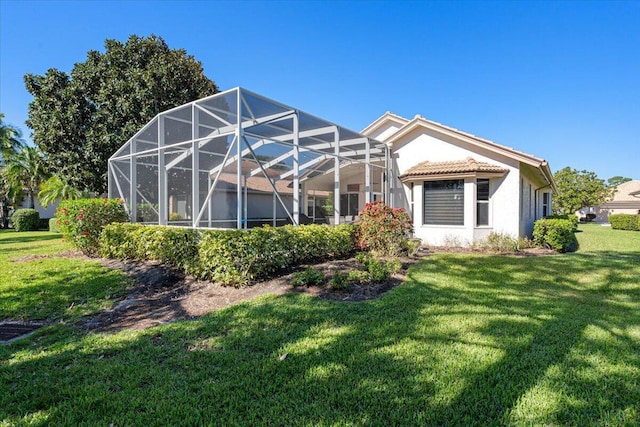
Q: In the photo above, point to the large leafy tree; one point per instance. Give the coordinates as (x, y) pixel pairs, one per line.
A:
(80, 120)
(579, 189)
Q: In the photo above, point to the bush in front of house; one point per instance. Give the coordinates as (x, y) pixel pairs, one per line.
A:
(236, 257)
(231, 257)
(555, 233)
(625, 222)
(25, 220)
(573, 218)
(173, 246)
(81, 221)
(383, 230)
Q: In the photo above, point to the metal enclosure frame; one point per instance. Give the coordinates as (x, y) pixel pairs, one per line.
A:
(222, 161)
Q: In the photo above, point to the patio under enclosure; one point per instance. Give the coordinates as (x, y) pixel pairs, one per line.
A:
(238, 160)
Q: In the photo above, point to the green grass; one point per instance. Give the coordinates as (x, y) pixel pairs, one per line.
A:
(37, 285)
(467, 340)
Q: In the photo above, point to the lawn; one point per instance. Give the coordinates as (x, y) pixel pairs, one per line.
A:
(38, 286)
(467, 340)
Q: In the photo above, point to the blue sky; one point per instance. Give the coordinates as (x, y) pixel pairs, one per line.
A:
(560, 80)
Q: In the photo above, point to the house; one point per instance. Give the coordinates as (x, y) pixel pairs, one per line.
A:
(626, 200)
(237, 159)
(458, 187)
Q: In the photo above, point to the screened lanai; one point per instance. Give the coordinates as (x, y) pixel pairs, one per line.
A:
(238, 160)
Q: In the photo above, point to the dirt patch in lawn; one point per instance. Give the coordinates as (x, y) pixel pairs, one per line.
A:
(161, 295)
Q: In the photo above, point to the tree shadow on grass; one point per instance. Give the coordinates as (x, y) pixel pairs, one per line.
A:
(461, 343)
(20, 238)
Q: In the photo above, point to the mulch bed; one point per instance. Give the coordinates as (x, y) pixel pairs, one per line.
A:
(161, 295)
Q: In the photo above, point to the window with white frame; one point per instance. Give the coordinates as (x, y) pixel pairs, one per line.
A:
(444, 202)
(545, 204)
(482, 202)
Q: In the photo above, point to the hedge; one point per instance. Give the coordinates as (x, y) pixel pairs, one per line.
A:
(573, 218)
(231, 257)
(555, 233)
(25, 220)
(625, 222)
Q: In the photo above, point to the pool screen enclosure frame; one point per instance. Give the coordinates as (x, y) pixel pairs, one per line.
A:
(237, 159)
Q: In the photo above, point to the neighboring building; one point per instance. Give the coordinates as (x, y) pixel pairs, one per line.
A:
(45, 213)
(625, 200)
(459, 188)
(237, 159)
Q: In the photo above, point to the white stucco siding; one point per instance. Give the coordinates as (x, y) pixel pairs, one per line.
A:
(48, 212)
(383, 132)
(504, 201)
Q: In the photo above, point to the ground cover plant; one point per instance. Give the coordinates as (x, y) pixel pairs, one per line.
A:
(469, 339)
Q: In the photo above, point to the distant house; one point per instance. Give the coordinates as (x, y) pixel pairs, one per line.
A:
(625, 200)
(48, 212)
(458, 187)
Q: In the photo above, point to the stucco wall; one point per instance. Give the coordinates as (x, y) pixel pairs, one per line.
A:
(504, 201)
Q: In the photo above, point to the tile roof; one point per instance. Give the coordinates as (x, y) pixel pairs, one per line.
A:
(468, 165)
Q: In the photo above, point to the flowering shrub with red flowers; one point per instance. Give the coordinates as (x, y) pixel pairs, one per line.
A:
(383, 230)
(81, 221)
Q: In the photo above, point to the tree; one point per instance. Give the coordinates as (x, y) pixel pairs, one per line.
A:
(25, 172)
(80, 120)
(10, 139)
(579, 189)
(10, 144)
(55, 188)
(617, 180)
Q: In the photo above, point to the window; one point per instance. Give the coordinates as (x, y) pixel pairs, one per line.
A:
(349, 204)
(482, 202)
(444, 202)
(411, 198)
(545, 204)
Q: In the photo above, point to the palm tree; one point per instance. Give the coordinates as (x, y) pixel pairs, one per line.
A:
(10, 139)
(55, 188)
(25, 170)
(10, 144)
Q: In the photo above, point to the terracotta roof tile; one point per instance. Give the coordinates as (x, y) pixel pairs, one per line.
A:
(468, 165)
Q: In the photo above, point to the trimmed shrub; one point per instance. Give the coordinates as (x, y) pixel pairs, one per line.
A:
(175, 247)
(625, 222)
(236, 256)
(573, 218)
(231, 257)
(555, 233)
(53, 225)
(383, 230)
(81, 221)
(25, 220)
